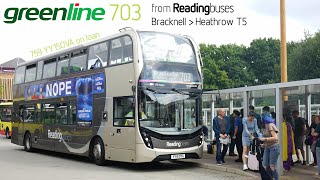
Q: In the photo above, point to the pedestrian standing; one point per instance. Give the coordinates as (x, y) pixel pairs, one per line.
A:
(221, 128)
(238, 127)
(250, 128)
(271, 145)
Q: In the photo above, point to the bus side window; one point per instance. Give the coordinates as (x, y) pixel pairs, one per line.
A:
(61, 113)
(21, 113)
(38, 114)
(123, 111)
(78, 61)
(29, 114)
(39, 70)
(121, 50)
(63, 65)
(48, 113)
(73, 113)
(98, 55)
(49, 68)
(19, 75)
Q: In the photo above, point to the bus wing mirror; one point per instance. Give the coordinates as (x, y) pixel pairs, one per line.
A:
(133, 88)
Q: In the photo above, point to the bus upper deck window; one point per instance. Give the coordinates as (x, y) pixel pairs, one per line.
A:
(78, 61)
(98, 55)
(50, 68)
(121, 50)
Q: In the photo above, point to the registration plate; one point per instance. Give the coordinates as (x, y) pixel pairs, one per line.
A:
(178, 156)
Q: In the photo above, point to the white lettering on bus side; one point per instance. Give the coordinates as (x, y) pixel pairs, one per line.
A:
(68, 87)
(56, 89)
(62, 87)
(48, 90)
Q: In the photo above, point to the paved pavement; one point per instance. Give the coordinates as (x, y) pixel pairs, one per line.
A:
(16, 164)
(48, 165)
(298, 171)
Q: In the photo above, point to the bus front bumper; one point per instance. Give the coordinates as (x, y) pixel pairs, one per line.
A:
(145, 154)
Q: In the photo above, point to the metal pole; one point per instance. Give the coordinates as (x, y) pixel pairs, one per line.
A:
(284, 76)
(231, 104)
(212, 116)
(279, 113)
(245, 103)
(308, 117)
(283, 44)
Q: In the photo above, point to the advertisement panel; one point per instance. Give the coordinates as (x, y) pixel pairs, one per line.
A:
(82, 87)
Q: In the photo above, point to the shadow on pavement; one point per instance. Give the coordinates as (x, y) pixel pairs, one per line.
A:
(151, 166)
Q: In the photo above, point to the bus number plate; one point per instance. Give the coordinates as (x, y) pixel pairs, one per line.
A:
(178, 156)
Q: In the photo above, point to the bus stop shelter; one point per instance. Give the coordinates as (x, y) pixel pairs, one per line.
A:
(303, 96)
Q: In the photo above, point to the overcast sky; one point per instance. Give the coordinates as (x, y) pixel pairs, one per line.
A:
(19, 39)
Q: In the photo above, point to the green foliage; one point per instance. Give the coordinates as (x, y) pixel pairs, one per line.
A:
(231, 66)
(304, 59)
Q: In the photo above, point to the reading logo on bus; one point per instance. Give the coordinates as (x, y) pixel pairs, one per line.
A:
(54, 135)
(73, 13)
(177, 144)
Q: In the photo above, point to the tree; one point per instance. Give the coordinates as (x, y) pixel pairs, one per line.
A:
(214, 78)
(304, 59)
(224, 66)
(263, 56)
(232, 61)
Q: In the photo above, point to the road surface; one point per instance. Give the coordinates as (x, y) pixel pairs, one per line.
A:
(16, 164)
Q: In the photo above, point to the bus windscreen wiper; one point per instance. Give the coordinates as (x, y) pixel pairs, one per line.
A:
(185, 91)
(155, 91)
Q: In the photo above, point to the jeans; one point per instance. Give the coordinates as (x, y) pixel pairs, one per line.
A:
(270, 158)
(318, 158)
(220, 155)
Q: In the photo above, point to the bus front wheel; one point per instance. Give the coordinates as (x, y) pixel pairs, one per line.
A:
(7, 133)
(98, 152)
(27, 142)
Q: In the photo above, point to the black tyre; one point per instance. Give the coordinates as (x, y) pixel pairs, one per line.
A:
(7, 133)
(27, 142)
(98, 152)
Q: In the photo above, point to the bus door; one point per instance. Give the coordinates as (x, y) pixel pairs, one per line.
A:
(121, 132)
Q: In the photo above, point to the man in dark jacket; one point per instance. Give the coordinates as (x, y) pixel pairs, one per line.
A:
(221, 128)
(232, 118)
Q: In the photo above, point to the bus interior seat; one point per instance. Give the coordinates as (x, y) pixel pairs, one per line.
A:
(75, 69)
(64, 70)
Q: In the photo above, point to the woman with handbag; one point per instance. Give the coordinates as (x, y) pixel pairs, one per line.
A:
(250, 127)
(271, 144)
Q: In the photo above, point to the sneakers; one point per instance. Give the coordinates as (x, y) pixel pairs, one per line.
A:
(304, 163)
(245, 167)
(223, 162)
(219, 163)
(313, 164)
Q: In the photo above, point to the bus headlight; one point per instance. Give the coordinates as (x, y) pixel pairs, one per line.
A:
(147, 140)
(200, 140)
